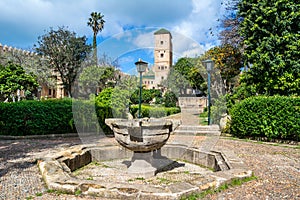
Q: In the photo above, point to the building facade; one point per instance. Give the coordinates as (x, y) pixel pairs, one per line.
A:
(163, 57)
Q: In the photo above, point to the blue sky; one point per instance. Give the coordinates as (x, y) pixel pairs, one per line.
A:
(128, 30)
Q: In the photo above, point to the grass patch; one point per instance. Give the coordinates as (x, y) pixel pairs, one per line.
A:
(136, 179)
(78, 192)
(203, 118)
(39, 194)
(58, 192)
(233, 183)
(164, 181)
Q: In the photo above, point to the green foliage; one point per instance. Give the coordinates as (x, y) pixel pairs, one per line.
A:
(275, 117)
(30, 62)
(218, 109)
(96, 22)
(233, 183)
(12, 78)
(66, 54)
(89, 116)
(36, 117)
(170, 99)
(186, 73)
(154, 111)
(104, 98)
(270, 29)
(96, 77)
(115, 99)
(228, 60)
(147, 95)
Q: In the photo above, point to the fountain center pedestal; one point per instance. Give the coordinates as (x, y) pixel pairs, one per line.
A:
(144, 137)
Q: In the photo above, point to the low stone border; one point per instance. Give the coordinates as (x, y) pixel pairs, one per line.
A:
(56, 171)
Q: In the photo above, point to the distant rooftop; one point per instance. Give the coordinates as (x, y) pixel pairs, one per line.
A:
(162, 31)
(149, 75)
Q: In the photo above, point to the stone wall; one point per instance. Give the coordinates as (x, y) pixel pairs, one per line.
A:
(191, 107)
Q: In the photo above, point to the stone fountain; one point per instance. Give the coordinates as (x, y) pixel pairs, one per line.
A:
(144, 137)
(102, 162)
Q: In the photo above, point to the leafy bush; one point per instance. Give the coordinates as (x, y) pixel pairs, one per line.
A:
(116, 99)
(152, 111)
(147, 95)
(36, 117)
(89, 117)
(276, 117)
(170, 99)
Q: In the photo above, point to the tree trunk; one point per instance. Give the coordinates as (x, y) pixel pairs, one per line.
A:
(95, 49)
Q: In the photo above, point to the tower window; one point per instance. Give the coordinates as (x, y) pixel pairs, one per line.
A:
(161, 42)
(162, 78)
(158, 67)
(161, 55)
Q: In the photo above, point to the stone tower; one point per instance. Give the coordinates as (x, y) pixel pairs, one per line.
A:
(163, 55)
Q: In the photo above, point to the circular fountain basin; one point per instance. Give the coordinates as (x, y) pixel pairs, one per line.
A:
(141, 135)
(58, 170)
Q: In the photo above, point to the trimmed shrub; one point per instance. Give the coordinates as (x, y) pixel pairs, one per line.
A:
(153, 111)
(89, 117)
(276, 117)
(36, 117)
(170, 99)
(147, 95)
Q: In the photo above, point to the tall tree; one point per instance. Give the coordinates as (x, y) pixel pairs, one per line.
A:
(66, 52)
(271, 35)
(96, 22)
(228, 60)
(230, 25)
(186, 74)
(97, 78)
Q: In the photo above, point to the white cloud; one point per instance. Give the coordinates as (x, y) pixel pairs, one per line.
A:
(145, 40)
(202, 18)
(21, 22)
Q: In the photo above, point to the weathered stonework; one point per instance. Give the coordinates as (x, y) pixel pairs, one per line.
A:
(57, 168)
(190, 108)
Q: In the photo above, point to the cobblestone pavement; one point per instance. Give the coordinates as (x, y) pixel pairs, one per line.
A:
(277, 169)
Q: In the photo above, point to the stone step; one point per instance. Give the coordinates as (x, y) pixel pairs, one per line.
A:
(221, 161)
(197, 132)
(198, 128)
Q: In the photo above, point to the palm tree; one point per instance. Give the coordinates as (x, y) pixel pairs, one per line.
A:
(96, 22)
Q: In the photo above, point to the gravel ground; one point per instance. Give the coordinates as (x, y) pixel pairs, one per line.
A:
(277, 169)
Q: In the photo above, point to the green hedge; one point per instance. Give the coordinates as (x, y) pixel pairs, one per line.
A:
(60, 116)
(276, 117)
(52, 117)
(153, 111)
(90, 117)
(36, 117)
